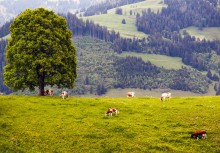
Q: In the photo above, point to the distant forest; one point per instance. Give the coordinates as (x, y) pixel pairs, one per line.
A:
(164, 38)
(3, 88)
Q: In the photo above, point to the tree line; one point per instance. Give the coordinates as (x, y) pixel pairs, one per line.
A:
(187, 47)
(179, 14)
(3, 87)
(89, 28)
(5, 29)
(134, 72)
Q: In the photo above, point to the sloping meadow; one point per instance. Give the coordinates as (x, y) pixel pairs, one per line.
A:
(50, 124)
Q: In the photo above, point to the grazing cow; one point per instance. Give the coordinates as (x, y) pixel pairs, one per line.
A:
(48, 92)
(1, 93)
(64, 95)
(110, 111)
(130, 94)
(51, 92)
(165, 96)
(199, 134)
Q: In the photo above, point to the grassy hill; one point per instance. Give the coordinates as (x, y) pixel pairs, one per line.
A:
(129, 30)
(49, 124)
(166, 62)
(114, 21)
(211, 33)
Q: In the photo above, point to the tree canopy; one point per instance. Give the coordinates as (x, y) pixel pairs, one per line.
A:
(40, 52)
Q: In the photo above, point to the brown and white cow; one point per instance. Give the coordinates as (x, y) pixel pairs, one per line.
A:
(130, 94)
(199, 134)
(64, 95)
(48, 92)
(110, 111)
(165, 96)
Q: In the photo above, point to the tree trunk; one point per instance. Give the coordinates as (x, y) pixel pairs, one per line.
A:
(41, 85)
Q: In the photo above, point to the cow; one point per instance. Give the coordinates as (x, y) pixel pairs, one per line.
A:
(130, 94)
(110, 111)
(48, 92)
(165, 96)
(64, 95)
(199, 134)
(51, 92)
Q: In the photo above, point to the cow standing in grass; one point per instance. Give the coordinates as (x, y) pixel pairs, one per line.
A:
(130, 94)
(110, 111)
(48, 92)
(199, 134)
(64, 95)
(165, 96)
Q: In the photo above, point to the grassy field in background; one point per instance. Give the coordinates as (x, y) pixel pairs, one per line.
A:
(129, 30)
(211, 33)
(156, 93)
(166, 62)
(154, 5)
(114, 21)
(49, 124)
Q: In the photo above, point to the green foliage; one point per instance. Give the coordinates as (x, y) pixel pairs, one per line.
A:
(50, 124)
(163, 61)
(95, 66)
(40, 52)
(134, 72)
(101, 69)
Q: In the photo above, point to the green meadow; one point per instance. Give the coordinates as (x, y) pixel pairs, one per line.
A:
(129, 30)
(50, 124)
(164, 61)
(114, 21)
(211, 33)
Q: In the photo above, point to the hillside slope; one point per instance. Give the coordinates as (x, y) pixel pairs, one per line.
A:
(114, 21)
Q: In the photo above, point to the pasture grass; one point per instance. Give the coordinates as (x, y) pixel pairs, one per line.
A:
(164, 61)
(49, 124)
(114, 21)
(210, 33)
(154, 93)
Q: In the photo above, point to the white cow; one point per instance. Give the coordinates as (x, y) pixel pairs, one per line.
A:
(130, 94)
(165, 96)
(64, 95)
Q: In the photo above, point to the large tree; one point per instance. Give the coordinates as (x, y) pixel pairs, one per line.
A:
(40, 52)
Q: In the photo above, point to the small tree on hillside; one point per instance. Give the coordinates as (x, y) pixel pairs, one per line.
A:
(40, 52)
(123, 21)
(118, 11)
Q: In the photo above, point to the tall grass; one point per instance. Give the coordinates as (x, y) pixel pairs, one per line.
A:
(49, 124)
